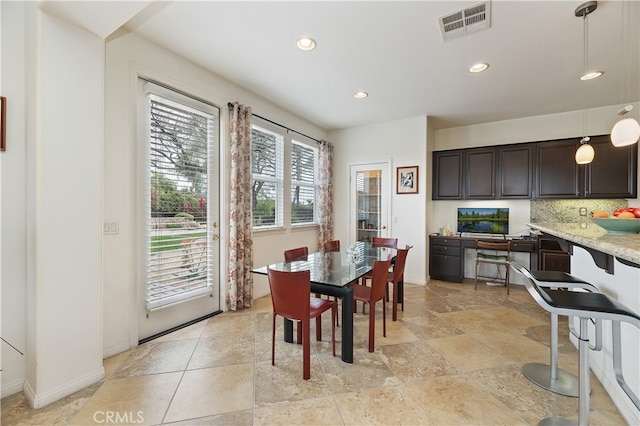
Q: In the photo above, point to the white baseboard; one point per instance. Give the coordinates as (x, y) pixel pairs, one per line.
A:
(46, 398)
(12, 387)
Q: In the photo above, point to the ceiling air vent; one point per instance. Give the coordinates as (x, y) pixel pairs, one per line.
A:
(470, 20)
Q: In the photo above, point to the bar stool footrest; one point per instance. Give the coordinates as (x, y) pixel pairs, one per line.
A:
(566, 384)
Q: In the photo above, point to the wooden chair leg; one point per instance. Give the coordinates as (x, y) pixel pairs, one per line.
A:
(475, 287)
(319, 328)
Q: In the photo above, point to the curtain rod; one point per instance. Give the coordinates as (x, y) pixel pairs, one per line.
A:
(230, 105)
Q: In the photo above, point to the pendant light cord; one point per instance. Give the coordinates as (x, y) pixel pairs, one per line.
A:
(585, 53)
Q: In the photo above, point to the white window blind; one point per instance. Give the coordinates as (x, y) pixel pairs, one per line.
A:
(304, 160)
(267, 167)
(179, 263)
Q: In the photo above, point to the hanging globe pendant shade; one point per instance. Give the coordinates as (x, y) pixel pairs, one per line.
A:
(625, 132)
(585, 154)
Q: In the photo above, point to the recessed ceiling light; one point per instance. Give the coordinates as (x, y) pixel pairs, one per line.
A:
(360, 95)
(591, 75)
(475, 68)
(306, 43)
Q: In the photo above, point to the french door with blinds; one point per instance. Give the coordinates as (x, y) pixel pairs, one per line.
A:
(178, 211)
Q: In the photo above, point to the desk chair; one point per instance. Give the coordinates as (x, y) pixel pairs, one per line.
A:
(290, 299)
(487, 252)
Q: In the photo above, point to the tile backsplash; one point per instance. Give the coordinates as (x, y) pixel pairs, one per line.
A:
(568, 211)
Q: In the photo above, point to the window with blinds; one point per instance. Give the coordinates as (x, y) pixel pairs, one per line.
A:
(267, 168)
(304, 160)
(179, 264)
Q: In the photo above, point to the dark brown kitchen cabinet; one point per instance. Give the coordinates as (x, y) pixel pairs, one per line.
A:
(515, 172)
(446, 258)
(558, 175)
(552, 254)
(536, 170)
(447, 175)
(480, 174)
(613, 171)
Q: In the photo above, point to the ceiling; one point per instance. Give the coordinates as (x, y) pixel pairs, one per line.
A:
(395, 51)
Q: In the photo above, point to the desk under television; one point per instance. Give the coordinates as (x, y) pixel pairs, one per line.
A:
(446, 253)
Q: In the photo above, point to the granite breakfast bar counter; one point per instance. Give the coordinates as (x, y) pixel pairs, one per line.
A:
(625, 247)
(611, 262)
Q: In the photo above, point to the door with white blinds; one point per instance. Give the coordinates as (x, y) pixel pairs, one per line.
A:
(369, 201)
(178, 211)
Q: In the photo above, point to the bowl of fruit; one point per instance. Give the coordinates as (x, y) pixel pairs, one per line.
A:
(624, 220)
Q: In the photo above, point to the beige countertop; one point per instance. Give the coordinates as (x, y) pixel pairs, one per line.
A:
(623, 246)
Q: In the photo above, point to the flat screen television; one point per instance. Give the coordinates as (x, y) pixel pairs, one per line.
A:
(486, 220)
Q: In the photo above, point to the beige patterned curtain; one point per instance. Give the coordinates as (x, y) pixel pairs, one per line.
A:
(240, 283)
(325, 192)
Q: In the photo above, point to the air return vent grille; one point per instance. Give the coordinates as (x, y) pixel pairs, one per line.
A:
(472, 19)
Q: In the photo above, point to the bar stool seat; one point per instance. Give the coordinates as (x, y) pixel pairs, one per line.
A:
(585, 306)
(550, 377)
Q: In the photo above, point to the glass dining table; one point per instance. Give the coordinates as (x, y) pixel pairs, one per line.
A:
(331, 274)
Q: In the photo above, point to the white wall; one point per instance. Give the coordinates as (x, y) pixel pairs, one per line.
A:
(128, 56)
(13, 211)
(402, 143)
(51, 279)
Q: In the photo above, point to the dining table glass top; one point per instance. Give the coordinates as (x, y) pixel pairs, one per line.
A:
(336, 268)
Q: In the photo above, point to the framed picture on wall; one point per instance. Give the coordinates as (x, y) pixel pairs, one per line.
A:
(407, 180)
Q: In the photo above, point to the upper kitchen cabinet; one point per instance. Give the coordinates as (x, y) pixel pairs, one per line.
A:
(613, 171)
(480, 174)
(447, 175)
(558, 175)
(483, 173)
(536, 170)
(515, 171)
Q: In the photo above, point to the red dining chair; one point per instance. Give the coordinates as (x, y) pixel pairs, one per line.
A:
(290, 298)
(378, 242)
(372, 295)
(300, 253)
(329, 246)
(395, 277)
(384, 242)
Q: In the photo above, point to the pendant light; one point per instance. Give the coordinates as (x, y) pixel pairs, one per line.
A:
(586, 153)
(627, 130)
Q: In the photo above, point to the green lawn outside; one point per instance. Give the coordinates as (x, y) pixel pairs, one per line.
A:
(172, 242)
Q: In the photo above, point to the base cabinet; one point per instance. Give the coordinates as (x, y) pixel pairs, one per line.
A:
(552, 256)
(446, 258)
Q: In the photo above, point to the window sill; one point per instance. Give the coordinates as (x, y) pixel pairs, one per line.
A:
(304, 227)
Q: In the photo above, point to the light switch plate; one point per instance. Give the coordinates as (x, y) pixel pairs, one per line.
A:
(583, 211)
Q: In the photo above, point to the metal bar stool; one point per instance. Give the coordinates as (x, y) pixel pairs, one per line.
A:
(551, 377)
(585, 306)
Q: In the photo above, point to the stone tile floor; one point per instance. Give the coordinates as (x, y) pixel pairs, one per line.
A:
(453, 357)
